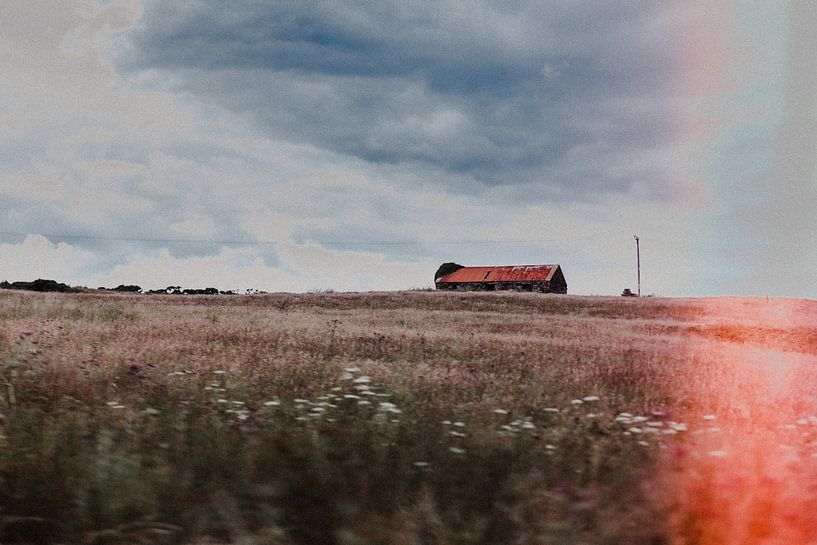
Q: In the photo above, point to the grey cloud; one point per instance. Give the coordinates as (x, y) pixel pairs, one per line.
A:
(498, 93)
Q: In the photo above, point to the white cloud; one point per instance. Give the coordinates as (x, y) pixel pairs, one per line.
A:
(302, 268)
(195, 225)
(36, 257)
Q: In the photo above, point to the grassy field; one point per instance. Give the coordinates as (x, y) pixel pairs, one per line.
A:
(406, 418)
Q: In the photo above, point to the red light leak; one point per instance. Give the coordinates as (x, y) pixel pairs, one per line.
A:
(747, 472)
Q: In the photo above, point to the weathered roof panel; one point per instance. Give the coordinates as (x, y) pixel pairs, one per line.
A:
(516, 273)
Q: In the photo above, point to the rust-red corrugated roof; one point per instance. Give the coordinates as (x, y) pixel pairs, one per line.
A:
(515, 273)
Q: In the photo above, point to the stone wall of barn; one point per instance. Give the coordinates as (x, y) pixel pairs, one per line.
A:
(541, 287)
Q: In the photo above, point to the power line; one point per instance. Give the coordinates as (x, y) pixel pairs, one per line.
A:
(269, 242)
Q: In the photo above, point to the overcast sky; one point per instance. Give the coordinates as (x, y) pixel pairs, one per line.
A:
(299, 145)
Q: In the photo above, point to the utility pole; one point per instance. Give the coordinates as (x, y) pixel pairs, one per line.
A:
(638, 261)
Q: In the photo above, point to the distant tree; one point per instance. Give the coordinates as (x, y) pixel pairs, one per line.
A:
(39, 285)
(132, 288)
(205, 291)
(447, 268)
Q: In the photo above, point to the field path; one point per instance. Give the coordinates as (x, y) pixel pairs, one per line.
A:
(746, 475)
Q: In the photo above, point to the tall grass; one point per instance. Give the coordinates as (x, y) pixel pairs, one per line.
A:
(411, 418)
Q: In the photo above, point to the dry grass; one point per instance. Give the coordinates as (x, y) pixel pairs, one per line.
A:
(395, 418)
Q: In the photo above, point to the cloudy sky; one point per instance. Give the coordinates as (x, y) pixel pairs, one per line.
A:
(299, 145)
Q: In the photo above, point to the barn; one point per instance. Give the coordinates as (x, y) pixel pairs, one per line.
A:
(541, 278)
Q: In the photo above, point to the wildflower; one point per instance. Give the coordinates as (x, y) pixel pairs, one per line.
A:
(590, 398)
(352, 370)
(151, 411)
(590, 415)
(709, 417)
(643, 443)
(347, 376)
(456, 434)
(500, 411)
(351, 396)
(221, 400)
(635, 430)
(551, 410)
(717, 453)
(550, 447)
(363, 379)
(301, 401)
(655, 424)
(459, 424)
(421, 464)
(457, 450)
(337, 389)
(219, 372)
(272, 403)
(364, 402)
(446, 422)
(528, 425)
(389, 407)
(576, 401)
